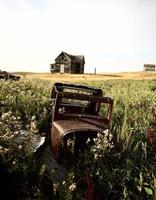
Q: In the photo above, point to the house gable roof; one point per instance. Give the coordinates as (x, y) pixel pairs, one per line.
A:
(149, 65)
(72, 58)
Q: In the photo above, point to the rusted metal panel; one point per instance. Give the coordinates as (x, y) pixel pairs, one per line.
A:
(66, 126)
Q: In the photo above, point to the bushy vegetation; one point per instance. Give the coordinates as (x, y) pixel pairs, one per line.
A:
(121, 164)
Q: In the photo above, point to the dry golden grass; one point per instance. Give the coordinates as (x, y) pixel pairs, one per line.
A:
(92, 77)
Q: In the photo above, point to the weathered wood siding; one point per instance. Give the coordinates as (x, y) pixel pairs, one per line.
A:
(149, 67)
(66, 63)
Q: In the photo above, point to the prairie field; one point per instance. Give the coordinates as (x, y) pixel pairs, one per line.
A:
(122, 162)
(92, 77)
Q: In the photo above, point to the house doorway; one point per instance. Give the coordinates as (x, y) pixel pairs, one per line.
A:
(62, 68)
(77, 68)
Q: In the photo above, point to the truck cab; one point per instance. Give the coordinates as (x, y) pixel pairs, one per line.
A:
(79, 113)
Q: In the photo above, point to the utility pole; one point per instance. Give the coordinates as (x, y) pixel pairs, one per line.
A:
(94, 70)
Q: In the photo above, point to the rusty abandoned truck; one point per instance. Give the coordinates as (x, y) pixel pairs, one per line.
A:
(79, 113)
(8, 76)
(77, 116)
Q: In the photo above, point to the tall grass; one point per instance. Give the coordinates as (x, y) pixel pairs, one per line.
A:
(126, 171)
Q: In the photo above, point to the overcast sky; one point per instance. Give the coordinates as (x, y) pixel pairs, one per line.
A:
(113, 35)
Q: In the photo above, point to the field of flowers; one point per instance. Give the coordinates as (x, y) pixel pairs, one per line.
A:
(122, 163)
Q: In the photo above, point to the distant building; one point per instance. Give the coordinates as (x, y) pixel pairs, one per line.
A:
(66, 63)
(149, 67)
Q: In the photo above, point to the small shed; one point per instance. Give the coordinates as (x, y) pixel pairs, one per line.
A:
(67, 63)
(149, 67)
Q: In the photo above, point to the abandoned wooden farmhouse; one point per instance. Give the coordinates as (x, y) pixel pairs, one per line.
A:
(67, 63)
(149, 67)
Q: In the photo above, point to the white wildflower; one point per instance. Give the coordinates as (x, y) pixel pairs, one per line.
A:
(33, 117)
(16, 133)
(88, 140)
(95, 139)
(14, 162)
(63, 182)
(33, 125)
(95, 156)
(98, 172)
(110, 136)
(72, 187)
(106, 132)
